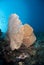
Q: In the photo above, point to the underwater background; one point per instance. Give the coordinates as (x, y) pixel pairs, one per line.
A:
(29, 11)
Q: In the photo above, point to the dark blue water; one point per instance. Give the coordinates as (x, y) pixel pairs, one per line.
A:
(30, 11)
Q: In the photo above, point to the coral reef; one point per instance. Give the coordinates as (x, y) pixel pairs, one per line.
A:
(35, 51)
(19, 33)
(20, 45)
